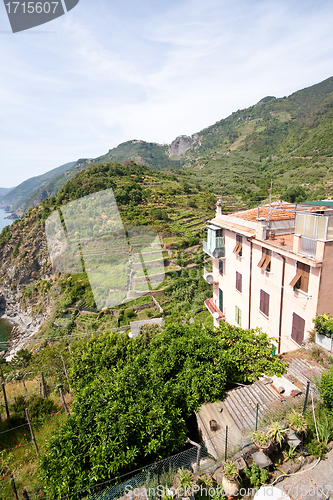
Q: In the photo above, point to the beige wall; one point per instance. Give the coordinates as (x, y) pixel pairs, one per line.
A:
(325, 299)
(227, 282)
(304, 305)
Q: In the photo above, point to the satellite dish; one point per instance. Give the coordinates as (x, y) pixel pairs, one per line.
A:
(216, 315)
(209, 278)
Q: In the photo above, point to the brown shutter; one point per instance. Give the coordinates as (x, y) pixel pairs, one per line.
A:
(236, 249)
(264, 303)
(238, 281)
(295, 279)
(297, 331)
(266, 262)
(262, 260)
(304, 270)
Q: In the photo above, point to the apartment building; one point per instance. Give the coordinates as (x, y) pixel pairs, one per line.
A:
(272, 268)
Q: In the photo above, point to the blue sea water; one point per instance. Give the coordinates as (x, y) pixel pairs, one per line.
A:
(3, 221)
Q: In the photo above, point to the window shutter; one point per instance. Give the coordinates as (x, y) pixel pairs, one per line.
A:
(264, 303)
(297, 331)
(239, 282)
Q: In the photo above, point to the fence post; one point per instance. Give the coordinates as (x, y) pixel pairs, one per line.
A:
(13, 485)
(2, 377)
(31, 431)
(5, 398)
(306, 397)
(198, 451)
(65, 370)
(257, 415)
(25, 494)
(226, 443)
(44, 393)
(64, 403)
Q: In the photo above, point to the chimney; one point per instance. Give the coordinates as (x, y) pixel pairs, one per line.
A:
(261, 228)
(218, 208)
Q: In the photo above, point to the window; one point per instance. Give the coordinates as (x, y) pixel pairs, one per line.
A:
(297, 329)
(265, 261)
(219, 233)
(264, 303)
(239, 282)
(238, 250)
(301, 278)
(221, 300)
(221, 267)
(238, 316)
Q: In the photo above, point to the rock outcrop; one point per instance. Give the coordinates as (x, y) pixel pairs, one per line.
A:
(24, 261)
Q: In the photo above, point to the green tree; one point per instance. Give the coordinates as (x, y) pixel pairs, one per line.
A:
(133, 397)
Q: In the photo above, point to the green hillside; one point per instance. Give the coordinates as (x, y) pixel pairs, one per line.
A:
(15, 197)
(288, 140)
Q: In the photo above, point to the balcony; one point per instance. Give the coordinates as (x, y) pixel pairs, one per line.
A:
(308, 246)
(213, 309)
(214, 247)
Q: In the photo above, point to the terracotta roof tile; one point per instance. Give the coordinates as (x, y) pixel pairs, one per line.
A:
(279, 210)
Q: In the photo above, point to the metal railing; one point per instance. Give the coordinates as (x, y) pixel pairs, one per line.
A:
(216, 248)
(308, 246)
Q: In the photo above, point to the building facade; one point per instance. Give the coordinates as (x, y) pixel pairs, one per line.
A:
(272, 268)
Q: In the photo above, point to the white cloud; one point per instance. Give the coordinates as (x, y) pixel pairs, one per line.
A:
(149, 70)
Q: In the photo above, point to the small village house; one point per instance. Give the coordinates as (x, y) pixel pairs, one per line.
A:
(272, 267)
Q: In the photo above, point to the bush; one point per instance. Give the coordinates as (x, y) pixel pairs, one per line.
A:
(317, 449)
(326, 388)
(37, 407)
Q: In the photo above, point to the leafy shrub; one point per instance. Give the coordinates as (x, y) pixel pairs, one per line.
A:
(256, 476)
(130, 314)
(326, 388)
(37, 407)
(317, 449)
(295, 194)
(324, 325)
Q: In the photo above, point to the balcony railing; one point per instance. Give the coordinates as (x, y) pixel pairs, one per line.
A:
(308, 246)
(215, 248)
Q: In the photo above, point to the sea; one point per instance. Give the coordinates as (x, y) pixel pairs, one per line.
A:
(5, 326)
(3, 221)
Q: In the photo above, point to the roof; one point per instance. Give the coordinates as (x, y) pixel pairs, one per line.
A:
(278, 210)
(320, 203)
(233, 227)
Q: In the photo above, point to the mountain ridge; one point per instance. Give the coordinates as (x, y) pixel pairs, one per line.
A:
(273, 138)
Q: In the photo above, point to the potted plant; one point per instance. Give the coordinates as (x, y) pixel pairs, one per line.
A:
(261, 440)
(275, 433)
(205, 480)
(296, 422)
(183, 483)
(229, 480)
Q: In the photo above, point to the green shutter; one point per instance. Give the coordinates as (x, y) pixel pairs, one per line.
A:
(221, 300)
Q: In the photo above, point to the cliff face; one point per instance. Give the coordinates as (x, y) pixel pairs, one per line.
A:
(23, 264)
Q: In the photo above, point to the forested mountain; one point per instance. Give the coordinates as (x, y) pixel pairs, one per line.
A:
(288, 140)
(11, 200)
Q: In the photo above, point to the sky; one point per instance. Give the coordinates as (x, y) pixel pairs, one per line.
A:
(111, 71)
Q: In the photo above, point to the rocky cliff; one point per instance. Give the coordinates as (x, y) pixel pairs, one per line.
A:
(24, 266)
